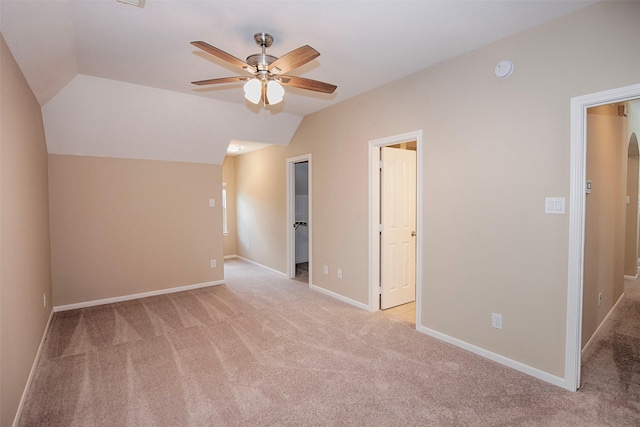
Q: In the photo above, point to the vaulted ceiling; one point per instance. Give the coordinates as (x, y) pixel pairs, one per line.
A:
(114, 79)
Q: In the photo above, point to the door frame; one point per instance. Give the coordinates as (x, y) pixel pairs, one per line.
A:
(374, 217)
(291, 214)
(577, 203)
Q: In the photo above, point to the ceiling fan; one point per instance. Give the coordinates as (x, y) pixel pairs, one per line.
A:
(269, 72)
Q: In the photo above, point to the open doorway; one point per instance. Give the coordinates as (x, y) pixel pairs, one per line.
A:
(579, 189)
(611, 293)
(395, 224)
(299, 218)
(611, 216)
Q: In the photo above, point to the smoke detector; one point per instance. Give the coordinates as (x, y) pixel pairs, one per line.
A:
(504, 69)
(137, 3)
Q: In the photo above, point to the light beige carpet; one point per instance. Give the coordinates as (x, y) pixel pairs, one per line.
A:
(612, 365)
(262, 350)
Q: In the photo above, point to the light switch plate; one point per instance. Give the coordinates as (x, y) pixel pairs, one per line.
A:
(554, 205)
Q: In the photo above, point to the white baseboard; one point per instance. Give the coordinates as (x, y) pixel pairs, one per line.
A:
(339, 297)
(630, 277)
(32, 372)
(261, 265)
(518, 366)
(134, 296)
(230, 256)
(599, 329)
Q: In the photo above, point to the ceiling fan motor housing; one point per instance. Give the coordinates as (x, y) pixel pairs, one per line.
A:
(261, 61)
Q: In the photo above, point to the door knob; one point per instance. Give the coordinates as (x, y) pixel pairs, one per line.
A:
(413, 234)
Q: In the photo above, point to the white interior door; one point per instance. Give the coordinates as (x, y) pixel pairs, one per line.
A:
(398, 218)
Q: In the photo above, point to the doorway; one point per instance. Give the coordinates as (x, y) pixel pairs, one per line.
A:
(382, 262)
(578, 181)
(611, 168)
(299, 218)
(398, 225)
(631, 215)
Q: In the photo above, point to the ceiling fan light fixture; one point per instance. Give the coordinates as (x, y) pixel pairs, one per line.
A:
(275, 92)
(253, 90)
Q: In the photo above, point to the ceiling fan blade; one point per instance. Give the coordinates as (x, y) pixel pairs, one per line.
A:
(221, 80)
(308, 84)
(293, 59)
(224, 56)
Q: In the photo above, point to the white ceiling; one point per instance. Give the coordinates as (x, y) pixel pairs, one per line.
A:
(363, 44)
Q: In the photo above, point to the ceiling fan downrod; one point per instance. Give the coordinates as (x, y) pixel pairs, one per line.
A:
(261, 61)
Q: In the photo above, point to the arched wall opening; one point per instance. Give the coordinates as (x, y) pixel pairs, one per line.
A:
(631, 229)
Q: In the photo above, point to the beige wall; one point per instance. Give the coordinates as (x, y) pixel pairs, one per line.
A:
(229, 177)
(261, 206)
(25, 269)
(605, 215)
(121, 226)
(493, 150)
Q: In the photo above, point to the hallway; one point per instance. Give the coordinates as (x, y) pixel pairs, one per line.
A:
(612, 364)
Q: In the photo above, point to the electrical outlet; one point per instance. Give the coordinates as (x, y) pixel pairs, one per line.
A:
(325, 270)
(496, 320)
(599, 299)
(213, 263)
(339, 273)
(44, 299)
(212, 203)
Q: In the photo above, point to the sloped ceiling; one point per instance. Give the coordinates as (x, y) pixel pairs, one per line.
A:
(152, 124)
(83, 58)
